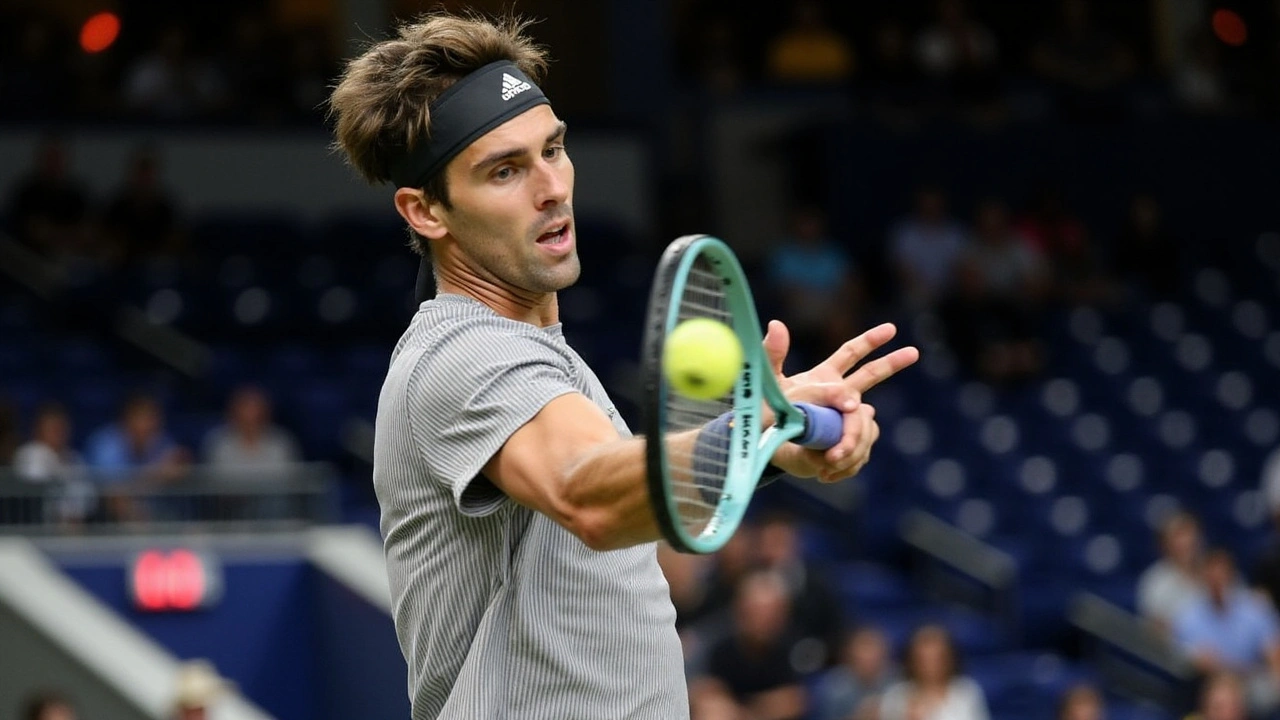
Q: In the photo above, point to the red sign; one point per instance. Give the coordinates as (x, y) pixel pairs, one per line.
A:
(173, 580)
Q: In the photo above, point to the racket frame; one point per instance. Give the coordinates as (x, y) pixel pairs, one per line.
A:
(751, 446)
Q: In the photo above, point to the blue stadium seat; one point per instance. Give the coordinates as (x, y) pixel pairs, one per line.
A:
(262, 234)
(317, 410)
(1026, 683)
(868, 587)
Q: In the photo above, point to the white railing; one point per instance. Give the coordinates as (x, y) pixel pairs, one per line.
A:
(287, 497)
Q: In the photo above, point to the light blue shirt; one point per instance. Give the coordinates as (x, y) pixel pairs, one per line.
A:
(1240, 634)
(930, 251)
(820, 268)
(109, 453)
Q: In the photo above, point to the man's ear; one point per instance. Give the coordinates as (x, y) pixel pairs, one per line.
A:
(421, 215)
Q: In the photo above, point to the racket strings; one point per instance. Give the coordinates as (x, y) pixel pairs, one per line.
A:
(699, 469)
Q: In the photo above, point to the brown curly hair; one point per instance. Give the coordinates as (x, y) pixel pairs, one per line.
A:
(380, 104)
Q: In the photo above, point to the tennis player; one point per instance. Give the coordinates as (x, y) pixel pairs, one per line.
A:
(519, 538)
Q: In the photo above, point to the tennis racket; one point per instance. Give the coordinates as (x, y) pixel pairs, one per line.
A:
(704, 458)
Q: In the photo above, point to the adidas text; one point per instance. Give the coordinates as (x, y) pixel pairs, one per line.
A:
(512, 87)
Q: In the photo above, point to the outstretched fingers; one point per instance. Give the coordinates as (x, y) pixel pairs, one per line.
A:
(883, 368)
(854, 350)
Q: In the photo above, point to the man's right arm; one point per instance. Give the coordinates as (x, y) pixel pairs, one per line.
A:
(570, 464)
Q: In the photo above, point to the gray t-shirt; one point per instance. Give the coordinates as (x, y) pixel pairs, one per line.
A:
(500, 612)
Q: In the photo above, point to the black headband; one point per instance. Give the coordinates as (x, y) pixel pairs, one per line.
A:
(470, 108)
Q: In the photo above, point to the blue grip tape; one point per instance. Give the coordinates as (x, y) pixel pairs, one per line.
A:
(823, 426)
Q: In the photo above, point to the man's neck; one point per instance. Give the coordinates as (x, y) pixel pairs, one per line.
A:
(542, 309)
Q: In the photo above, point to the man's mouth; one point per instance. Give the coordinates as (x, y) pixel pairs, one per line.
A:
(556, 235)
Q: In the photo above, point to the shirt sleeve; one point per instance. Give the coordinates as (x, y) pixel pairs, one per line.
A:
(893, 704)
(470, 391)
(975, 701)
(1186, 634)
(107, 456)
(1268, 623)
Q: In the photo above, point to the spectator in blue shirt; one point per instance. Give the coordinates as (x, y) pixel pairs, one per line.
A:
(1228, 628)
(816, 283)
(134, 454)
(852, 689)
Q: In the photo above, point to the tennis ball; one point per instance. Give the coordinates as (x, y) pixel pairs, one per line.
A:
(702, 358)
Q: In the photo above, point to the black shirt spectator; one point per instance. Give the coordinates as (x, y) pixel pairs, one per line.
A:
(753, 662)
(49, 209)
(141, 221)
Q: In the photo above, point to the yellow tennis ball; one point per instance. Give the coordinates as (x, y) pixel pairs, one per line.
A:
(702, 358)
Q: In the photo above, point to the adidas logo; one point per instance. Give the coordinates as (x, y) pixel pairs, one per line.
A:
(512, 87)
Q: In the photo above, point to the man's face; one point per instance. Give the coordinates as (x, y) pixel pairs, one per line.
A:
(869, 655)
(142, 422)
(1184, 542)
(1219, 575)
(512, 214)
(58, 712)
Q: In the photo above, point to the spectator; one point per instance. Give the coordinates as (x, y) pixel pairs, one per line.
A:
(1165, 587)
(45, 705)
(890, 81)
(808, 50)
(1229, 628)
(815, 280)
(48, 458)
(709, 700)
(993, 318)
(1222, 698)
(958, 55)
(170, 82)
(1064, 241)
(934, 687)
(250, 451)
(925, 247)
(135, 453)
(732, 563)
(249, 442)
(752, 663)
(48, 208)
(1086, 66)
(197, 690)
(852, 689)
(816, 614)
(1081, 702)
(141, 221)
(1148, 258)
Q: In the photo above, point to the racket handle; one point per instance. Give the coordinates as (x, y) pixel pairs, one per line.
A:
(823, 426)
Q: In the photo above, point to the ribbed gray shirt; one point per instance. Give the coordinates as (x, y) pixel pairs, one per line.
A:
(500, 612)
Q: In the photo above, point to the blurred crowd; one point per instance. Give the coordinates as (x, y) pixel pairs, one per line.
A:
(198, 690)
(984, 279)
(238, 63)
(115, 472)
(1221, 617)
(981, 61)
(50, 211)
(988, 62)
(767, 635)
